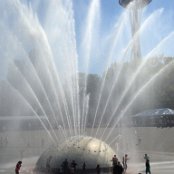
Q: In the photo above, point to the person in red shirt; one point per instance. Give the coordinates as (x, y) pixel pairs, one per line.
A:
(18, 166)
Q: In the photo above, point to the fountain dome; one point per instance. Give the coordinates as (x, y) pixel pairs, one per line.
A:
(82, 149)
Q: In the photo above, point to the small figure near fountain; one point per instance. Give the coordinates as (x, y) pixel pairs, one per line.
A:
(147, 164)
(118, 168)
(73, 166)
(114, 160)
(18, 166)
(98, 169)
(125, 159)
(65, 167)
(84, 167)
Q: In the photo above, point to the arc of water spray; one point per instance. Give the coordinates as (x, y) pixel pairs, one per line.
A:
(75, 92)
(37, 100)
(18, 68)
(59, 85)
(137, 94)
(135, 75)
(94, 10)
(52, 64)
(27, 21)
(143, 26)
(115, 139)
(105, 75)
(63, 96)
(57, 80)
(64, 103)
(42, 123)
(66, 108)
(46, 95)
(86, 113)
(43, 89)
(72, 89)
(75, 66)
(117, 34)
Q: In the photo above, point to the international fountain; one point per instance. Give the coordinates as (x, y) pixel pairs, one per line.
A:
(42, 68)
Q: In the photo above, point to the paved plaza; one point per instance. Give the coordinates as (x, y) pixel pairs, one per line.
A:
(27, 146)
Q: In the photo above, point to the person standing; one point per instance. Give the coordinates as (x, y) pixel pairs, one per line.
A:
(125, 159)
(84, 167)
(65, 166)
(147, 163)
(114, 160)
(148, 166)
(98, 169)
(18, 166)
(73, 166)
(118, 169)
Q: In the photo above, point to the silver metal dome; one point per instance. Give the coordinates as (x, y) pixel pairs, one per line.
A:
(82, 149)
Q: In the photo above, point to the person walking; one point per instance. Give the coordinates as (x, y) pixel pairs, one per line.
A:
(147, 163)
(148, 166)
(125, 159)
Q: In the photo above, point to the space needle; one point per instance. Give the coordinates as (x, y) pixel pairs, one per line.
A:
(134, 7)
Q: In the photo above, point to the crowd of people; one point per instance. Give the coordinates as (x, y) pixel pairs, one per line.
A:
(66, 169)
(119, 168)
(71, 168)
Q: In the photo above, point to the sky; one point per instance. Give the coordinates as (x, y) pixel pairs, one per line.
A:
(162, 25)
(111, 8)
(106, 42)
